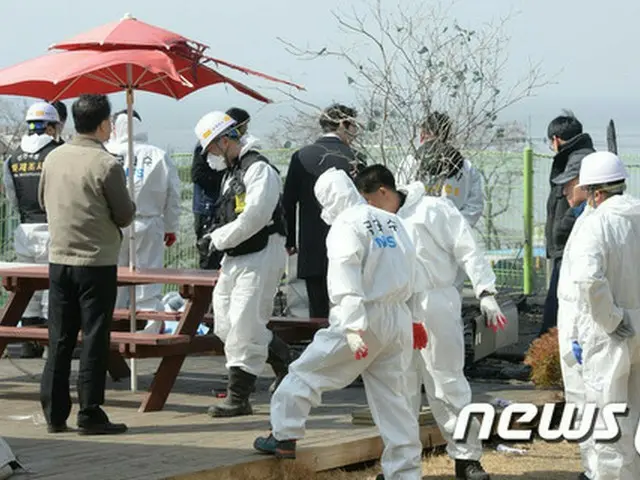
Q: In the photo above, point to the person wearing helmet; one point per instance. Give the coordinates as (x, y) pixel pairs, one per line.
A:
(569, 143)
(332, 149)
(157, 198)
(249, 229)
(599, 319)
(207, 181)
(22, 171)
(375, 320)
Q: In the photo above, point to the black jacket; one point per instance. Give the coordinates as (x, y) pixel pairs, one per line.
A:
(307, 164)
(206, 184)
(559, 224)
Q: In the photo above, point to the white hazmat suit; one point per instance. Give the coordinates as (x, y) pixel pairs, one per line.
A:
(30, 240)
(157, 197)
(444, 243)
(371, 287)
(243, 297)
(598, 288)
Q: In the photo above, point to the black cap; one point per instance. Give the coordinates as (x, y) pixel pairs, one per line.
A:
(124, 112)
(571, 171)
(61, 108)
(239, 115)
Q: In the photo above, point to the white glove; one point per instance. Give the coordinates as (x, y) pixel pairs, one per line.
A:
(493, 316)
(624, 329)
(357, 345)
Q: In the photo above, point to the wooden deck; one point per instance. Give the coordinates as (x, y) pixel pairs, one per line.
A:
(182, 442)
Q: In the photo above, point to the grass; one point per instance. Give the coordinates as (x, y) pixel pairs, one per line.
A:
(543, 460)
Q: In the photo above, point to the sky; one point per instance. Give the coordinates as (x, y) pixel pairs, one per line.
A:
(584, 47)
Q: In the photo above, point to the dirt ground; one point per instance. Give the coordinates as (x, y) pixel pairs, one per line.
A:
(548, 461)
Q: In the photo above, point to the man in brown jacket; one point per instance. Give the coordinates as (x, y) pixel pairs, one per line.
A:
(84, 193)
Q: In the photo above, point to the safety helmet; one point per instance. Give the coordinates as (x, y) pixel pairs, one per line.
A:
(600, 168)
(212, 126)
(42, 112)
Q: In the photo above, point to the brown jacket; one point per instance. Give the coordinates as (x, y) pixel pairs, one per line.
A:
(84, 192)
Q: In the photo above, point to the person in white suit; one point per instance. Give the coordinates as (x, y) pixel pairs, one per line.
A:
(157, 196)
(444, 243)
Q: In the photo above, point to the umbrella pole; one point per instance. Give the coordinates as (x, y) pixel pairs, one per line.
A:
(132, 229)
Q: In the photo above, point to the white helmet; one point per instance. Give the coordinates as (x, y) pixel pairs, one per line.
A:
(599, 168)
(211, 126)
(42, 112)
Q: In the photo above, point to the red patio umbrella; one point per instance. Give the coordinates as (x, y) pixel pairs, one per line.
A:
(61, 75)
(72, 73)
(130, 32)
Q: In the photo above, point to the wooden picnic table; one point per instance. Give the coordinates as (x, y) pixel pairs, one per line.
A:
(196, 286)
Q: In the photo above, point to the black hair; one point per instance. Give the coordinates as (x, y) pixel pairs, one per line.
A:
(89, 111)
(334, 115)
(437, 124)
(371, 178)
(124, 112)
(61, 108)
(565, 126)
(239, 115)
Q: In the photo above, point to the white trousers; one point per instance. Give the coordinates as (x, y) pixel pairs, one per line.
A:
(243, 303)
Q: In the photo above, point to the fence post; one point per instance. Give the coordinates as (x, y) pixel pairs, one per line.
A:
(527, 176)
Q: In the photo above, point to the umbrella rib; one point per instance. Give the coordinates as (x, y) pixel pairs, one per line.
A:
(104, 80)
(118, 79)
(69, 85)
(168, 87)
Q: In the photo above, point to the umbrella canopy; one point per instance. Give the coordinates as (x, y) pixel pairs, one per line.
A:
(61, 75)
(128, 32)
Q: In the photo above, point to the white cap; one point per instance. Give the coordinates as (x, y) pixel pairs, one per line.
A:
(599, 168)
(211, 126)
(42, 112)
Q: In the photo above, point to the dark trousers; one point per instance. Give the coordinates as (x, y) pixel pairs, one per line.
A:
(550, 313)
(200, 225)
(80, 298)
(318, 296)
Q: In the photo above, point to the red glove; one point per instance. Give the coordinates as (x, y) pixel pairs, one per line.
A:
(169, 239)
(420, 337)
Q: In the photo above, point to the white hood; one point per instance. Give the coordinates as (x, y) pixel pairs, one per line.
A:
(249, 142)
(414, 191)
(623, 205)
(119, 134)
(335, 192)
(34, 143)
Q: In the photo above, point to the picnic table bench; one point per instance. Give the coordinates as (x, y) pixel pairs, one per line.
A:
(196, 286)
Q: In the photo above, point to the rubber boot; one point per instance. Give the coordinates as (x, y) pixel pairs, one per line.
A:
(32, 349)
(240, 386)
(279, 358)
(470, 470)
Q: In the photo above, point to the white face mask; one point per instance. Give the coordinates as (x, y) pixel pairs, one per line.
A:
(216, 162)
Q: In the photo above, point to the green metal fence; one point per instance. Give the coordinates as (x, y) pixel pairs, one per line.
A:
(511, 230)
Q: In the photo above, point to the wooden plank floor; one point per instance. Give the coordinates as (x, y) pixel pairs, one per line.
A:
(181, 442)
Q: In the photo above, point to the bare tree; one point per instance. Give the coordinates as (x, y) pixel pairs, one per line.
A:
(294, 131)
(406, 62)
(501, 171)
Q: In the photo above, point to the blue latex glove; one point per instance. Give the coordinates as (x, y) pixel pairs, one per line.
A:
(577, 351)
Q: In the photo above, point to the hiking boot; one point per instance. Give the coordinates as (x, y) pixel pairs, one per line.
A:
(470, 470)
(94, 421)
(236, 403)
(279, 358)
(285, 449)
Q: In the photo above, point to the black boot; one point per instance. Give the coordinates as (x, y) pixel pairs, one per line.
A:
(470, 470)
(32, 349)
(279, 358)
(241, 384)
